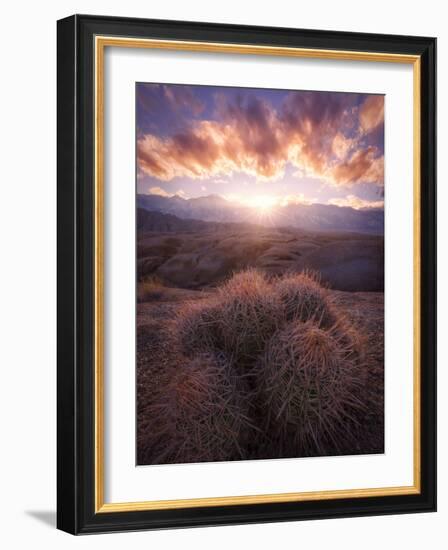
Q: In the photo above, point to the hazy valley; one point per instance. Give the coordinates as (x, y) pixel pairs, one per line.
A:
(190, 253)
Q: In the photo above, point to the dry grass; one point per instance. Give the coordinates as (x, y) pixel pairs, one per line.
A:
(152, 288)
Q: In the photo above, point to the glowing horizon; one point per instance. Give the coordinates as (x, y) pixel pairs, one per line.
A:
(269, 202)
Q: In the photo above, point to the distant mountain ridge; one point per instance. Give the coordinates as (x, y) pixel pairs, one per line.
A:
(313, 217)
(151, 220)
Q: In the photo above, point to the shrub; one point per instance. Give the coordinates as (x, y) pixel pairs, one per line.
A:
(238, 322)
(250, 312)
(308, 380)
(256, 369)
(304, 298)
(200, 414)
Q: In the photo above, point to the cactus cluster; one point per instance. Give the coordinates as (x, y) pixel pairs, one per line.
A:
(264, 369)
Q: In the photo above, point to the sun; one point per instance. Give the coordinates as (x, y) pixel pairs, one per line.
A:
(262, 203)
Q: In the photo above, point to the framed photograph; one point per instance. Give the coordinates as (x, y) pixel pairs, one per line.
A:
(246, 274)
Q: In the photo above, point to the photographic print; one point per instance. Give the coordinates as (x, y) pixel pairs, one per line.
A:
(222, 356)
(260, 265)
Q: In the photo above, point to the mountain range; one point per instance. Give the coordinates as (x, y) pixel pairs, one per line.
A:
(309, 217)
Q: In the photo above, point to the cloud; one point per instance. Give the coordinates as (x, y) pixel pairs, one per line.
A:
(364, 166)
(193, 154)
(269, 200)
(159, 191)
(371, 113)
(318, 133)
(311, 121)
(162, 193)
(182, 97)
(209, 149)
(164, 98)
(356, 202)
(298, 198)
(341, 145)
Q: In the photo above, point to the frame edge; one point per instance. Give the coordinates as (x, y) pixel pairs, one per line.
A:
(67, 462)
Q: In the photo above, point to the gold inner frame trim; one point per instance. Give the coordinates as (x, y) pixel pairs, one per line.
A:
(101, 42)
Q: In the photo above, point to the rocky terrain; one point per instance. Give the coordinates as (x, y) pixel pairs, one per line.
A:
(195, 254)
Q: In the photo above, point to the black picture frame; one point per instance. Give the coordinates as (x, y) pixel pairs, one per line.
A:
(76, 512)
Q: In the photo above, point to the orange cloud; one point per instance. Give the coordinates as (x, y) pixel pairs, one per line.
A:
(371, 113)
(356, 202)
(209, 149)
(298, 198)
(342, 145)
(363, 166)
(252, 137)
(162, 193)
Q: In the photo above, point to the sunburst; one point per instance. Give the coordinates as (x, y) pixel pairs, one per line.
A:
(262, 203)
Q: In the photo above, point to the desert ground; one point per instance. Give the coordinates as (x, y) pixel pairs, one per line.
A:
(194, 254)
(183, 266)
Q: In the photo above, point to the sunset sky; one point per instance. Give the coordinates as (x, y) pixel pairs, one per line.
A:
(259, 146)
